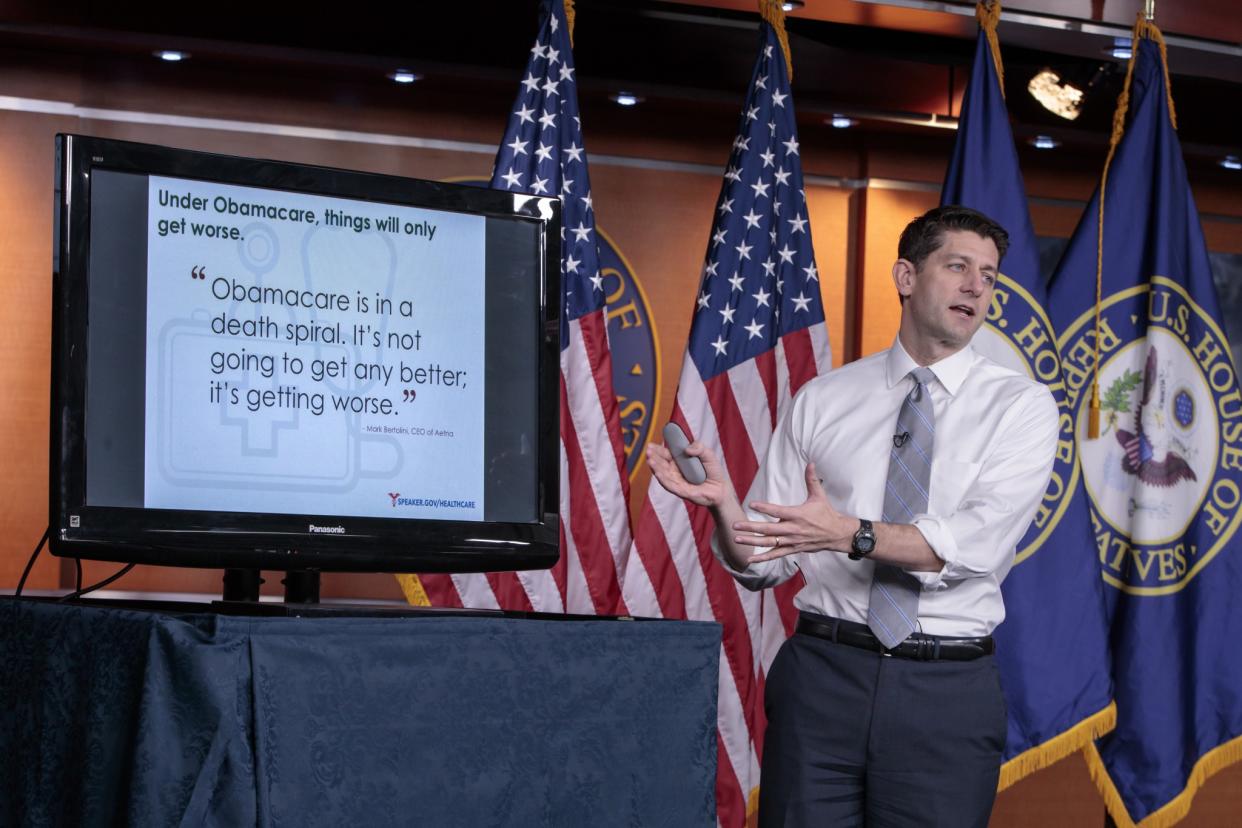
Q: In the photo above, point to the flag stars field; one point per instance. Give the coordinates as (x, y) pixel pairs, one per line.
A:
(753, 198)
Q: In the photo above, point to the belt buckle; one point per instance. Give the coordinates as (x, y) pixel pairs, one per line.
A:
(885, 651)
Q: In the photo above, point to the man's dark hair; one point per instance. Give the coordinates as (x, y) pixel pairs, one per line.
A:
(925, 234)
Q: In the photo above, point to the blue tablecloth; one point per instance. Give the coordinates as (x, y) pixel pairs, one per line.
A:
(122, 717)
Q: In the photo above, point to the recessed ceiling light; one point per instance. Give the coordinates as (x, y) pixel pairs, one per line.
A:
(404, 76)
(171, 55)
(1122, 48)
(1231, 162)
(842, 121)
(626, 99)
(1045, 142)
(1057, 96)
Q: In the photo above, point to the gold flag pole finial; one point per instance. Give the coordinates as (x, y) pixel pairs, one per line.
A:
(774, 12)
(988, 15)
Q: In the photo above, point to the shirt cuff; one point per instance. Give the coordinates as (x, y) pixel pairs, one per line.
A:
(758, 575)
(941, 541)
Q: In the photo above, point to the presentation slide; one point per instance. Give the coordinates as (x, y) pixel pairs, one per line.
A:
(312, 355)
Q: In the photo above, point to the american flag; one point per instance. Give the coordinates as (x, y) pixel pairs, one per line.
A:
(542, 154)
(758, 335)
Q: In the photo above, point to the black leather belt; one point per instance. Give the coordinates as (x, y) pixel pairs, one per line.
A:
(918, 646)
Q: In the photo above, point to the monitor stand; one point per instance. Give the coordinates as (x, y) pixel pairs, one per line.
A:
(301, 586)
(242, 586)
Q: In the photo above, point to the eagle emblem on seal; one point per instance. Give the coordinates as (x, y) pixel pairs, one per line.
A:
(1140, 446)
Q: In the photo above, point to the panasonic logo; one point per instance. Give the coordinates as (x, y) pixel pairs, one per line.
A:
(326, 530)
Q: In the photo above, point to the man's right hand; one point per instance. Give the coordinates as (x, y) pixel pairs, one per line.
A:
(713, 492)
(716, 493)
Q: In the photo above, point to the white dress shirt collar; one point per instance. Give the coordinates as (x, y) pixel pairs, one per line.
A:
(950, 371)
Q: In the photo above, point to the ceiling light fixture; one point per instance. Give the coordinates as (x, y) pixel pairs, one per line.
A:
(626, 99)
(404, 76)
(1231, 162)
(841, 121)
(1045, 142)
(171, 55)
(1058, 97)
(790, 5)
(1122, 48)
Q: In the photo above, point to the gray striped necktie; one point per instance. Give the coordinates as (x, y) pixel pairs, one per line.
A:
(894, 605)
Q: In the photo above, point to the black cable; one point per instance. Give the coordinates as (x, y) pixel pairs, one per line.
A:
(77, 583)
(99, 585)
(30, 563)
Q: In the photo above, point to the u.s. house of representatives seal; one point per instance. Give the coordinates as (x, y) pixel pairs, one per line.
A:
(635, 350)
(1163, 475)
(1018, 335)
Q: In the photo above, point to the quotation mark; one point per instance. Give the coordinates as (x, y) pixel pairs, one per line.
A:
(409, 394)
(198, 272)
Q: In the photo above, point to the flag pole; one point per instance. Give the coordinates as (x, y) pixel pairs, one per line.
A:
(1144, 27)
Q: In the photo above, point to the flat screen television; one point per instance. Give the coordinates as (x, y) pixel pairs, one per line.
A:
(267, 365)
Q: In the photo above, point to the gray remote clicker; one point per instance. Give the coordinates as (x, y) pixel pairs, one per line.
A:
(691, 467)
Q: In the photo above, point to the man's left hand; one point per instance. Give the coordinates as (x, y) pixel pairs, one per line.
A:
(810, 527)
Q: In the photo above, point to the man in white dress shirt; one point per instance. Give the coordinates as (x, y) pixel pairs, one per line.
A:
(869, 724)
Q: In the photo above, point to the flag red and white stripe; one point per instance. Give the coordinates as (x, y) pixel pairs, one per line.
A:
(673, 573)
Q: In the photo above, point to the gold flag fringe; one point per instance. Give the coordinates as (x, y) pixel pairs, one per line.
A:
(569, 18)
(988, 16)
(752, 808)
(1176, 809)
(412, 589)
(1143, 28)
(773, 12)
(1058, 747)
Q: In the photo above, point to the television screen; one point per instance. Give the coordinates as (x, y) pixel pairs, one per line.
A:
(270, 365)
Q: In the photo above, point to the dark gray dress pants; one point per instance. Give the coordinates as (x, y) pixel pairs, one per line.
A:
(856, 738)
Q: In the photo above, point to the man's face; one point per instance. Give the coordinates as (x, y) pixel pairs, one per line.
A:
(948, 297)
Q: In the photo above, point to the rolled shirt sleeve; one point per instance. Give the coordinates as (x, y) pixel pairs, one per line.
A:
(976, 537)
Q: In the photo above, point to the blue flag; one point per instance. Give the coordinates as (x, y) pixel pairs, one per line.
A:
(1052, 649)
(1165, 472)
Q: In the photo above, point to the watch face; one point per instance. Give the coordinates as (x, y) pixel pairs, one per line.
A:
(864, 541)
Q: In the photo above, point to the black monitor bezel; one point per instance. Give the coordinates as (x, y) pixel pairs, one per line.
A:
(222, 539)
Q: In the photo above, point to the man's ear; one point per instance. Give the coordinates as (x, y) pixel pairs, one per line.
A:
(903, 277)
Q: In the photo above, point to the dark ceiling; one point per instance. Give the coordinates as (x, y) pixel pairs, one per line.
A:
(907, 63)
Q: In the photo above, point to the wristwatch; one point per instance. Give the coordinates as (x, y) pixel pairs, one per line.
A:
(864, 541)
